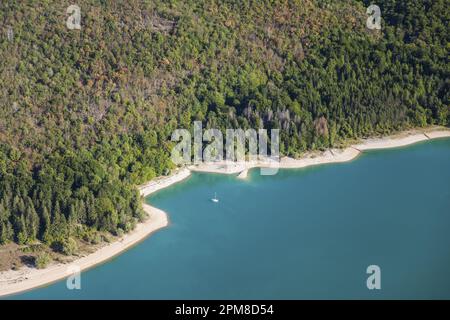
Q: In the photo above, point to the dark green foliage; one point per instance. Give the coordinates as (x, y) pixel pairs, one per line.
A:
(87, 115)
(67, 246)
(42, 260)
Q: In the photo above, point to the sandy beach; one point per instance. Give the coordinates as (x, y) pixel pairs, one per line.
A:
(241, 168)
(27, 278)
(164, 182)
(329, 156)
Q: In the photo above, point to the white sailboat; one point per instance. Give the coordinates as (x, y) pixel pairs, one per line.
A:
(215, 198)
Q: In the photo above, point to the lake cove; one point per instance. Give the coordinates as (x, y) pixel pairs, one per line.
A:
(275, 237)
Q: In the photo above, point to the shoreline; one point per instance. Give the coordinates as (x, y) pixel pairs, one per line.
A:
(16, 281)
(29, 278)
(329, 156)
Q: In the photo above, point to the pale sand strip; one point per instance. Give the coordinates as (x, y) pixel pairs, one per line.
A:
(438, 134)
(383, 143)
(330, 156)
(27, 278)
(164, 182)
(241, 168)
(403, 139)
(243, 174)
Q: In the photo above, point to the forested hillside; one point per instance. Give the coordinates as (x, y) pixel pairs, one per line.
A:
(86, 115)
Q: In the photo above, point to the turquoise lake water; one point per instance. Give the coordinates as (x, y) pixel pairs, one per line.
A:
(303, 233)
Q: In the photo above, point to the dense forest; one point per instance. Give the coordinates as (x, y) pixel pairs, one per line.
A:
(86, 115)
